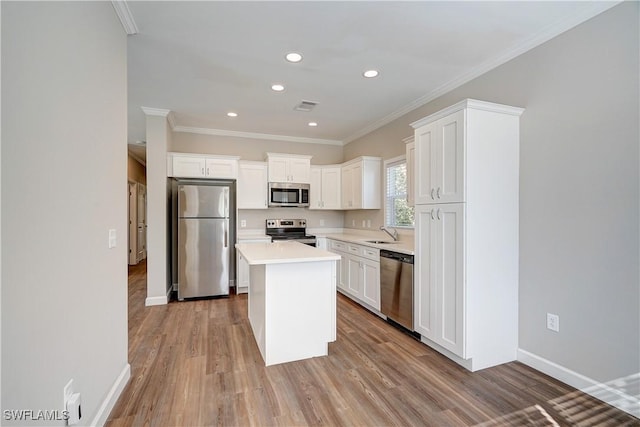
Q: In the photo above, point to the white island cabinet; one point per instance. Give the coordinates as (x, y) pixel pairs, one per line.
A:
(292, 299)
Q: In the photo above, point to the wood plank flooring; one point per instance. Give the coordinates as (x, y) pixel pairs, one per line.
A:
(197, 364)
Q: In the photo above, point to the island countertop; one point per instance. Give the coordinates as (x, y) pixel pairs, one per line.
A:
(283, 252)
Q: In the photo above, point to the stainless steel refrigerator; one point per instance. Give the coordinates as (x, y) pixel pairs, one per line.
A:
(204, 239)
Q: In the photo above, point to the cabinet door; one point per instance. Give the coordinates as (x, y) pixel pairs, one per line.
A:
(242, 281)
(449, 257)
(221, 168)
(356, 186)
(371, 283)
(278, 169)
(299, 170)
(347, 193)
(331, 188)
(425, 137)
(424, 273)
(343, 280)
(353, 279)
(449, 156)
(252, 186)
(189, 167)
(315, 190)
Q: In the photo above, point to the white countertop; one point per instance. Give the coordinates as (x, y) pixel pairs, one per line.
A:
(402, 246)
(283, 252)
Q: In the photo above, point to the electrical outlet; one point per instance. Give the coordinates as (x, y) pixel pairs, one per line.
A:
(243, 223)
(364, 223)
(322, 223)
(553, 322)
(368, 223)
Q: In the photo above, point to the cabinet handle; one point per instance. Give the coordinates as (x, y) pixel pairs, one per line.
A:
(207, 171)
(438, 193)
(432, 217)
(439, 214)
(432, 197)
(202, 171)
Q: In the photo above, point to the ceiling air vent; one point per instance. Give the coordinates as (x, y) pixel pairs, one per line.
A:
(305, 106)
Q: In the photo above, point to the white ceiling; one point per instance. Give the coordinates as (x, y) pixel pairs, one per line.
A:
(203, 59)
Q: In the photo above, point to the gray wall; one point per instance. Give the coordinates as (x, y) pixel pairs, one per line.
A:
(579, 189)
(252, 149)
(64, 177)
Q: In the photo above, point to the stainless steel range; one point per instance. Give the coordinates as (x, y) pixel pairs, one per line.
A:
(289, 229)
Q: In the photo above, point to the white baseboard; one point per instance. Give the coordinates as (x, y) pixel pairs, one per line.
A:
(606, 392)
(159, 300)
(112, 397)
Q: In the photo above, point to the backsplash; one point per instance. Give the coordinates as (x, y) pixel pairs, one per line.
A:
(255, 218)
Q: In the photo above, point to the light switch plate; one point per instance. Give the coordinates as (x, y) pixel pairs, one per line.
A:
(112, 238)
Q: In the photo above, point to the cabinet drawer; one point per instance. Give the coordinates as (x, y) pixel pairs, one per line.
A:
(354, 250)
(338, 246)
(370, 253)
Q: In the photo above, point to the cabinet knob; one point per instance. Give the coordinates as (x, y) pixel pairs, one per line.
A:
(431, 212)
(439, 214)
(438, 193)
(432, 196)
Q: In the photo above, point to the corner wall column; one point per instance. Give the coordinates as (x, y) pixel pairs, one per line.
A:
(158, 137)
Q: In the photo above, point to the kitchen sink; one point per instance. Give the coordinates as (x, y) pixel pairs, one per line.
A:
(381, 242)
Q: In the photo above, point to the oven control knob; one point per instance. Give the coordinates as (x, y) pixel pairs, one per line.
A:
(303, 223)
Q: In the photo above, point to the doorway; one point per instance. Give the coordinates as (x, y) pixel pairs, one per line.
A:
(137, 235)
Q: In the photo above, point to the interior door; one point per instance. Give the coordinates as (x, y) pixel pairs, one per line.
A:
(141, 222)
(133, 223)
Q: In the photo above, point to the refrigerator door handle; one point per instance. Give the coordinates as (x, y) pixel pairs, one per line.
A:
(226, 235)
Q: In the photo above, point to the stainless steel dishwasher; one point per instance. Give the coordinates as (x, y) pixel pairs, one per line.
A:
(396, 287)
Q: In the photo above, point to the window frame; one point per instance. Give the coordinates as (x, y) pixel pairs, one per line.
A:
(395, 161)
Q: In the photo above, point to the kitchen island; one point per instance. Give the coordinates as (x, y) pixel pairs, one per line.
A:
(292, 299)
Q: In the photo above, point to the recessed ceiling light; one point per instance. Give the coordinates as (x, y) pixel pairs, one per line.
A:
(277, 87)
(370, 73)
(293, 57)
(313, 124)
(232, 114)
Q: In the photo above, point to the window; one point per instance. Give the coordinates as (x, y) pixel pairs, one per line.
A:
(397, 212)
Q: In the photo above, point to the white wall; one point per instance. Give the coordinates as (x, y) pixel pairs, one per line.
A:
(64, 180)
(579, 191)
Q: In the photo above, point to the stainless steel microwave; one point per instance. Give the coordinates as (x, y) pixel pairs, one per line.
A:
(285, 194)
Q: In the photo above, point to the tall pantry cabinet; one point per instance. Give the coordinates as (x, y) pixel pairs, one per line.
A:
(466, 225)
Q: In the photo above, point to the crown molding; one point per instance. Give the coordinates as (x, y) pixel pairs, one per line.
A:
(156, 112)
(265, 136)
(126, 18)
(553, 30)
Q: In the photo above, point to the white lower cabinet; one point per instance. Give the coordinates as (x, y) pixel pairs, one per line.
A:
(242, 267)
(359, 275)
(242, 279)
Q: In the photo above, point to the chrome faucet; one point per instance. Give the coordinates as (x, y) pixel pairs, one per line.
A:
(394, 236)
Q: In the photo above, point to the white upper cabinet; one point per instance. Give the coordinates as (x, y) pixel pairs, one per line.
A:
(202, 166)
(325, 192)
(362, 183)
(439, 150)
(252, 192)
(289, 168)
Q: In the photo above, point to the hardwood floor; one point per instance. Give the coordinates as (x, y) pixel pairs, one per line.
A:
(196, 363)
